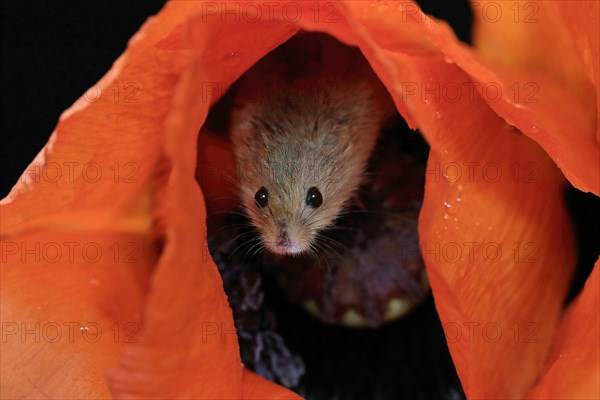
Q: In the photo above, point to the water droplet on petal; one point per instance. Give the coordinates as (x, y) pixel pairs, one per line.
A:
(438, 115)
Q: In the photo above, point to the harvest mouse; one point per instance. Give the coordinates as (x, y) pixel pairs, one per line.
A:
(306, 118)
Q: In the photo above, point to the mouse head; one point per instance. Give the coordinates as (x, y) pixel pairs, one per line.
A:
(298, 164)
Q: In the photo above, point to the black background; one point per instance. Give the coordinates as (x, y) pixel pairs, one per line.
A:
(52, 52)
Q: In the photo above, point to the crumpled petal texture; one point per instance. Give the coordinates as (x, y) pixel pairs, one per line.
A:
(573, 368)
(497, 242)
(549, 92)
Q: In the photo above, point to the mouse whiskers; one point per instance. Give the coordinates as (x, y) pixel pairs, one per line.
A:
(244, 242)
(312, 252)
(332, 245)
(257, 247)
(227, 228)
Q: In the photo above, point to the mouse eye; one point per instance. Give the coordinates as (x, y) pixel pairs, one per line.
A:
(262, 197)
(314, 198)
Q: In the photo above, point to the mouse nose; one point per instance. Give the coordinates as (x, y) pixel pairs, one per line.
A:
(285, 244)
(284, 240)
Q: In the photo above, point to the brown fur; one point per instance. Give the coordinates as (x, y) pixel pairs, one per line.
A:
(301, 123)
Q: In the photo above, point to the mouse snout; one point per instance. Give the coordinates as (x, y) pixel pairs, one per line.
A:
(284, 242)
(284, 239)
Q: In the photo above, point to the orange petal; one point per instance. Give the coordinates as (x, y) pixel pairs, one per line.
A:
(573, 368)
(187, 303)
(186, 344)
(95, 186)
(550, 92)
(81, 220)
(553, 37)
(499, 311)
(70, 303)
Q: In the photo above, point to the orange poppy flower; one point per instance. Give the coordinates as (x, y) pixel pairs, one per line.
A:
(107, 284)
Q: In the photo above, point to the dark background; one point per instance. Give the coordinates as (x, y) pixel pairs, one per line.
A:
(52, 52)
